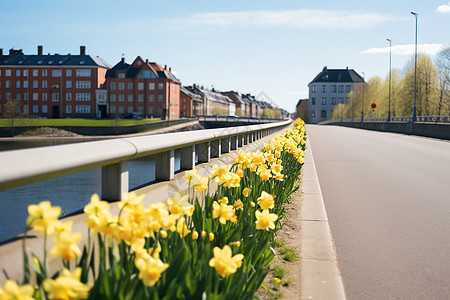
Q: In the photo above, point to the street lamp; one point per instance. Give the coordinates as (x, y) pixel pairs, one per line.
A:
(362, 106)
(415, 71)
(390, 71)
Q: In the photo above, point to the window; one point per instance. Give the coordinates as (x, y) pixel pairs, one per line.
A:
(313, 89)
(44, 96)
(130, 85)
(84, 73)
(112, 98)
(83, 109)
(333, 88)
(68, 96)
(151, 86)
(121, 75)
(150, 110)
(35, 73)
(313, 114)
(323, 101)
(83, 84)
(17, 84)
(140, 86)
(323, 114)
(56, 73)
(341, 100)
(130, 98)
(151, 98)
(147, 74)
(7, 73)
(68, 73)
(140, 98)
(18, 96)
(25, 96)
(324, 88)
(347, 88)
(333, 101)
(35, 84)
(112, 109)
(130, 109)
(44, 84)
(25, 73)
(160, 86)
(82, 97)
(313, 101)
(121, 86)
(121, 98)
(55, 97)
(35, 109)
(112, 86)
(68, 84)
(121, 109)
(8, 96)
(18, 73)
(7, 84)
(347, 100)
(68, 109)
(35, 96)
(341, 89)
(25, 83)
(160, 98)
(44, 73)
(44, 109)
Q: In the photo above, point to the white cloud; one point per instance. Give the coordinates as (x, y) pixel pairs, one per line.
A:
(302, 18)
(427, 49)
(445, 8)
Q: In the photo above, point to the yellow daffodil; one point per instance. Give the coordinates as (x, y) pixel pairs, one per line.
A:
(194, 235)
(223, 200)
(246, 192)
(265, 220)
(203, 234)
(189, 176)
(96, 206)
(266, 201)
(12, 291)
(129, 200)
(223, 261)
(65, 245)
(43, 217)
(180, 205)
(201, 184)
(223, 212)
(238, 205)
(211, 236)
(150, 269)
(67, 286)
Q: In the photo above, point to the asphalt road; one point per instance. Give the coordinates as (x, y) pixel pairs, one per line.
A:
(387, 198)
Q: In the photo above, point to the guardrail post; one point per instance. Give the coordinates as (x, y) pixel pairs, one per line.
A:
(165, 165)
(115, 181)
(225, 143)
(240, 140)
(187, 158)
(215, 148)
(204, 152)
(234, 142)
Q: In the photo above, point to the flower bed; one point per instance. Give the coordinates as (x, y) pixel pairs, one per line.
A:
(196, 246)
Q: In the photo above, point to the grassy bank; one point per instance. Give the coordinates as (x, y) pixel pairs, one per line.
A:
(74, 122)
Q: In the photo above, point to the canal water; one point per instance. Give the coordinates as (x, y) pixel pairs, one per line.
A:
(71, 192)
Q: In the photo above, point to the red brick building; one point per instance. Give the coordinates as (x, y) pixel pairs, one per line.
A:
(143, 87)
(191, 102)
(52, 85)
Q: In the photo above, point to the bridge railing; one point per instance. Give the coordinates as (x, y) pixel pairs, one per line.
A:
(409, 119)
(19, 167)
(237, 119)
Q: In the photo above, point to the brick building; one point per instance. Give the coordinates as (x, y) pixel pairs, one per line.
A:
(191, 102)
(143, 87)
(52, 85)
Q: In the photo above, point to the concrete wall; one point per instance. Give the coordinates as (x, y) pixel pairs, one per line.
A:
(440, 131)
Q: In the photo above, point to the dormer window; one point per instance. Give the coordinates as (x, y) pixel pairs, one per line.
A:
(121, 75)
(139, 62)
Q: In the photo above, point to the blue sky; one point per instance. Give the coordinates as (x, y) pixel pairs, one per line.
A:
(275, 47)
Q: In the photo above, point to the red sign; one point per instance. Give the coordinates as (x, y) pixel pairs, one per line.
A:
(373, 105)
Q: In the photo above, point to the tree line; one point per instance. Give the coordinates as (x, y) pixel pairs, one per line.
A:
(432, 94)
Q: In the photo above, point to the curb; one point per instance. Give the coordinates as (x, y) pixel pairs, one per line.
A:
(320, 275)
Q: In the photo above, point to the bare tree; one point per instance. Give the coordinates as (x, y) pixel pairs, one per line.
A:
(12, 110)
(443, 67)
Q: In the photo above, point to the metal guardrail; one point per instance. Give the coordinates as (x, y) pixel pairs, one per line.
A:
(237, 119)
(19, 167)
(421, 119)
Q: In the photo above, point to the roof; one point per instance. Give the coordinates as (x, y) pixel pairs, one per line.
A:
(216, 96)
(337, 75)
(53, 60)
(194, 96)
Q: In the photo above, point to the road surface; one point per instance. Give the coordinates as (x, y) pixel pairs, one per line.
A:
(387, 198)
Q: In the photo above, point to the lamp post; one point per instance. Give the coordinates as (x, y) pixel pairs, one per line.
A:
(390, 71)
(415, 71)
(362, 105)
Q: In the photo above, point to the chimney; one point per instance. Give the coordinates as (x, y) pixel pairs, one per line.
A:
(1, 51)
(123, 60)
(40, 50)
(82, 50)
(146, 61)
(165, 67)
(170, 69)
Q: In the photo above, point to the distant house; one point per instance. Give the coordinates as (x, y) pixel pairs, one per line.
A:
(301, 110)
(216, 104)
(241, 105)
(191, 102)
(53, 85)
(329, 88)
(143, 87)
(254, 106)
